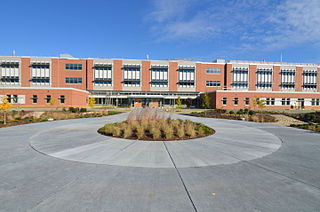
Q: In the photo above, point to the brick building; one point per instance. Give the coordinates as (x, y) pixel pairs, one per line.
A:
(34, 81)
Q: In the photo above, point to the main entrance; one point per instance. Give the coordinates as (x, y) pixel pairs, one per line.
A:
(146, 102)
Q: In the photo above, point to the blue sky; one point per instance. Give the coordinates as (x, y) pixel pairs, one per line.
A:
(164, 29)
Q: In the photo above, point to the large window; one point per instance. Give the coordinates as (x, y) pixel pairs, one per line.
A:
(9, 72)
(103, 74)
(213, 83)
(74, 80)
(40, 73)
(288, 79)
(159, 76)
(131, 75)
(310, 80)
(240, 78)
(213, 70)
(73, 66)
(264, 78)
(186, 76)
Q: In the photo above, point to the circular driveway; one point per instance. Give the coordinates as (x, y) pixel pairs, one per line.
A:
(245, 166)
(80, 142)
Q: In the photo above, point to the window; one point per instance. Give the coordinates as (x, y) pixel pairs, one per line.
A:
(285, 101)
(236, 101)
(15, 99)
(213, 71)
(159, 76)
(62, 99)
(186, 76)
(224, 101)
(103, 74)
(40, 73)
(270, 101)
(315, 102)
(73, 80)
(131, 75)
(264, 78)
(247, 101)
(240, 77)
(212, 83)
(310, 80)
(73, 66)
(9, 73)
(34, 99)
(48, 98)
(288, 78)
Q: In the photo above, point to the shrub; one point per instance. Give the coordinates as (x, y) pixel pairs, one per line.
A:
(82, 110)
(231, 112)
(72, 109)
(251, 112)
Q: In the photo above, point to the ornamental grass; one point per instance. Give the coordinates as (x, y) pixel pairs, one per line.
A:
(155, 126)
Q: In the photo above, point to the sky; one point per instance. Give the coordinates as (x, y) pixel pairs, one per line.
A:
(201, 30)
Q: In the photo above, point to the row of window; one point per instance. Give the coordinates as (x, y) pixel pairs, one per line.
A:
(271, 101)
(48, 98)
(74, 80)
(73, 67)
(235, 101)
(213, 83)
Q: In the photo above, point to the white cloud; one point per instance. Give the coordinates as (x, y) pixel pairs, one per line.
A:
(295, 22)
(260, 23)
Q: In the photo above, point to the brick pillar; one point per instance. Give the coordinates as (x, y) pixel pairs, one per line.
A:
(252, 77)
(145, 77)
(299, 78)
(276, 78)
(55, 72)
(90, 75)
(200, 78)
(117, 75)
(228, 76)
(25, 72)
(173, 76)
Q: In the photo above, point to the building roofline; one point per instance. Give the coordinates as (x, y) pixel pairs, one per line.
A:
(218, 61)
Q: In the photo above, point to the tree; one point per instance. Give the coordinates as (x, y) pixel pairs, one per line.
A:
(179, 102)
(91, 102)
(5, 106)
(205, 101)
(259, 102)
(189, 102)
(52, 101)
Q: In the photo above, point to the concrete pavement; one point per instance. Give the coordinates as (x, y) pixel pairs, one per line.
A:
(240, 168)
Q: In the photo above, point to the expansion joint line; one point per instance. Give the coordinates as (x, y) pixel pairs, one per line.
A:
(181, 179)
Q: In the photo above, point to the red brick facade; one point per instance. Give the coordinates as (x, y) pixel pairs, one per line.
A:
(76, 93)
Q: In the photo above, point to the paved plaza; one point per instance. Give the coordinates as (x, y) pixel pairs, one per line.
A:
(245, 166)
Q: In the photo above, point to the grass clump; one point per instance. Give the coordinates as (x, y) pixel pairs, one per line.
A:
(155, 125)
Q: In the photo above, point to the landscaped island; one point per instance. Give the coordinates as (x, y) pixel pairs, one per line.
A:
(155, 125)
